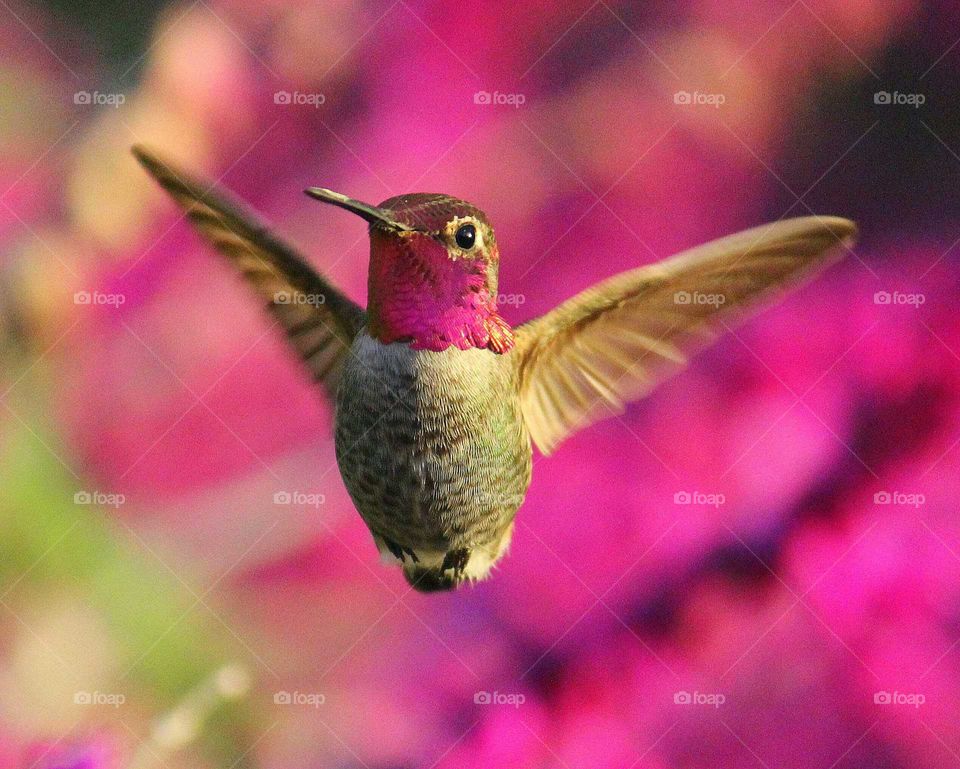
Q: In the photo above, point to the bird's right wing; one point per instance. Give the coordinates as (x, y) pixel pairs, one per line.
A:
(320, 322)
(613, 342)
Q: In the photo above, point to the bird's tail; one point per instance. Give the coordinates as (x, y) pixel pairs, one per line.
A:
(435, 572)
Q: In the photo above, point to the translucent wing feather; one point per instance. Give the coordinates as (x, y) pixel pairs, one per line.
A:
(615, 341)
(320, 322)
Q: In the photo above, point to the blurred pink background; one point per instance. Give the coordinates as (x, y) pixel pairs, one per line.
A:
(808, 617)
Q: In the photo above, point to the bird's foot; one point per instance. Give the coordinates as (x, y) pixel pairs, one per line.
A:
(456, 560)
(446, 575)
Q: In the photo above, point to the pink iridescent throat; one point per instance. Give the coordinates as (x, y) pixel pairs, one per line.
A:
(419, 295)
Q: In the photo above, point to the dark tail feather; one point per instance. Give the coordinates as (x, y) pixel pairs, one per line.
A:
(431, 580)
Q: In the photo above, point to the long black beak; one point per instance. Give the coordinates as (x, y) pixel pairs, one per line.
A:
(372, 214)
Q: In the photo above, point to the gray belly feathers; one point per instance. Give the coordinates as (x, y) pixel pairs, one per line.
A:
(434, 452)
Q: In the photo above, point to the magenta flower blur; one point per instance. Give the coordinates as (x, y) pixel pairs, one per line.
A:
(94, 753)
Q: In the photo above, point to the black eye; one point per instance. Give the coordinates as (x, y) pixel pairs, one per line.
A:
(466, 236)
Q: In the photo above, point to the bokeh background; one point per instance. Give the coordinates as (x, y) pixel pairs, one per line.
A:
(758, 566)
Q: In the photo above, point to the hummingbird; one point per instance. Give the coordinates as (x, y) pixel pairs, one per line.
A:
(438, 399)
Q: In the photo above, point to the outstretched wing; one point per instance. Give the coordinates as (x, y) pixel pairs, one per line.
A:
(615, 341)
(320, 321)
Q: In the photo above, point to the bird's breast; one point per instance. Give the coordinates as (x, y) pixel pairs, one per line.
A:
(432, 445)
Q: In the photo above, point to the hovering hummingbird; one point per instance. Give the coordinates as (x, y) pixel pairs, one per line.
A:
(437, 397)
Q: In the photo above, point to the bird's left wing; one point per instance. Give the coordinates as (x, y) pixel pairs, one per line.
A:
(615, 341)
(320, 322)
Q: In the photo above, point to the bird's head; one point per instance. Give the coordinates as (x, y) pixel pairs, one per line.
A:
(433, 272)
